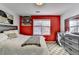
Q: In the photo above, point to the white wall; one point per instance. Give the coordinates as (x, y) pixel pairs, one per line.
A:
(72, 12)
(16, 18)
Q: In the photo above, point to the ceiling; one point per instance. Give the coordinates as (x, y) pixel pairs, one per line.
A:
(32, 9)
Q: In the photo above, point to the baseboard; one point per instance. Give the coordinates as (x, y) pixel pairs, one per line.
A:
(49, 42)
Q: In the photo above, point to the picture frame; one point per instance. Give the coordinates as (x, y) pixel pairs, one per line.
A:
(26, 21)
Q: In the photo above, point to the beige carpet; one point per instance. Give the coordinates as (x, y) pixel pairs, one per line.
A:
(55, 49)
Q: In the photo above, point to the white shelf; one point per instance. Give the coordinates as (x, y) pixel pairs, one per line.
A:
(7, 24)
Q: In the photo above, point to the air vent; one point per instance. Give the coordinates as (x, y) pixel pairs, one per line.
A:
(37, 11)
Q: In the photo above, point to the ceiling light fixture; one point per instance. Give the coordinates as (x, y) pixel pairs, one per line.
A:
(39, 4)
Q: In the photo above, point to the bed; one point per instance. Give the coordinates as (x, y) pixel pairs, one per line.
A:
(14, 46)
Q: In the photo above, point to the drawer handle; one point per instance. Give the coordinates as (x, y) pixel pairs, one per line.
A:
(70, 43)
(70, 49)
(69, 38)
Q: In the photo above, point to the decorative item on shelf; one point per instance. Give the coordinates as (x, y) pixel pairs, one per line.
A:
(10, 18)
(6, 18)
(26, 21)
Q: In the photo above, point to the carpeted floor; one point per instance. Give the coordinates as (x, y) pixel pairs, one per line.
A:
(55, 49)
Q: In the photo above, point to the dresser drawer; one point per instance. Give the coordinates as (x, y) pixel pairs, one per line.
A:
(62, 42)
(72, 44)
(72, 38)
(71, 50)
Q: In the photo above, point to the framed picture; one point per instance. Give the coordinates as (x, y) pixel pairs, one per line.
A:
(26, 21)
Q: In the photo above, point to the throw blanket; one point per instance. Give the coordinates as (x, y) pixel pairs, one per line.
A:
(34, 40)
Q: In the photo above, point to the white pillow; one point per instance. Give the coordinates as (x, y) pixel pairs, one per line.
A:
(12, 35)
(11, 31)
(3, 37)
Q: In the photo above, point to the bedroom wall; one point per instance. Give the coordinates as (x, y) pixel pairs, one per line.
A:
(69, 13)
(55, 27)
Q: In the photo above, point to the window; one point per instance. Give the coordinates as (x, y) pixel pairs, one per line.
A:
(74, 25)
(41, 27)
